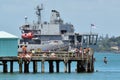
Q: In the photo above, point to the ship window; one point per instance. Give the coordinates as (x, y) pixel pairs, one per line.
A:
(45, 22)
(79, 38)
(63, 31)
(21, 46)
(27, 25)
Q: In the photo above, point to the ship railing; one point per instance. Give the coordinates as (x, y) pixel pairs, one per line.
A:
(63, 55)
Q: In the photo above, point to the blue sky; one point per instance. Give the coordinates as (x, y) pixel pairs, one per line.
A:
(104, 14)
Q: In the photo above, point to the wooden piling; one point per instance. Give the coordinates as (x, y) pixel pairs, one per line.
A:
(42, 66)
(20, 67)
(57, 66)
(5, 69)
(11, 66)
(92, 64)
(26, 67)
(86, 66)
(80, 66)
(34, 66)
(65, 68)
(51, 66)
(69, 66)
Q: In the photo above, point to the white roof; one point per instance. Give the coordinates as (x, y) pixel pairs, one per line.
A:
(4, 34)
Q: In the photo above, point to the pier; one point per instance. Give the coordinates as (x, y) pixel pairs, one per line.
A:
(85, 62)
(55, 36)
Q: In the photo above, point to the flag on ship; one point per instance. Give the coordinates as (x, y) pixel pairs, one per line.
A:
(93, 26)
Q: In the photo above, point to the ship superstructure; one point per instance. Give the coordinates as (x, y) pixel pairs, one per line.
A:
(56, 32)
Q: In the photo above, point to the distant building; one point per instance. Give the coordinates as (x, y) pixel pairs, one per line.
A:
(8, 44)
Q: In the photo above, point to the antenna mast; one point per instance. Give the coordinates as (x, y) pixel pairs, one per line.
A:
(38, 13)
(26, 20)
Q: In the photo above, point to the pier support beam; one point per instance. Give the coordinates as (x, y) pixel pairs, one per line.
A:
(65, 68)
(20, 62)
(86, 67)
(51, 67)
(69, 66)
(57, 66)
(34, 66)
(5, 69)
(11, 66)
(20, 67)
(26, 67)
(80, 66)
(42, 66)
(90, 66)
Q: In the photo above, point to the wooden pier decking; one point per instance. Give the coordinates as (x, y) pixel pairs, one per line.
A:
(85, 62)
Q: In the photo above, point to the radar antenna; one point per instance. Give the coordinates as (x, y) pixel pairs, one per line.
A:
(38, 13)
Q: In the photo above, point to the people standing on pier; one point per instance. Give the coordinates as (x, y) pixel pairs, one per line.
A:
(27, 56)
(84, 51)
(77, 52)
(80, 51)
(24, 49)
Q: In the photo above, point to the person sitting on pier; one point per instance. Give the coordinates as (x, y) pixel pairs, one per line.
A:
(44, 55)
(20, 58)
(90, 52)
(28, 57)
(20, 55)
(53, 55)
(80, 51)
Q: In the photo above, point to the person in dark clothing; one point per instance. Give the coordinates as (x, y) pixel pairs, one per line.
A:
(105, 60)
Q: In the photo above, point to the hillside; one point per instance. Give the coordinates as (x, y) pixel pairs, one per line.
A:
(108, 44)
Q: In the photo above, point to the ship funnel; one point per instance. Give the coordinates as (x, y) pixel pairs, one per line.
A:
(55, 17)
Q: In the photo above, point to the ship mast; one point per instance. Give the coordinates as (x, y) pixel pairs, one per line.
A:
(38, 13)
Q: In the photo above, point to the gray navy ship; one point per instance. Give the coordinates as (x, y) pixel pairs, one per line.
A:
(54, 35)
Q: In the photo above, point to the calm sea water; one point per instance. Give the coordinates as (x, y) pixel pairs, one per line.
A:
(108, 71)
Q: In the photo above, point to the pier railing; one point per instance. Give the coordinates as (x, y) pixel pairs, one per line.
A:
(61, 55)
